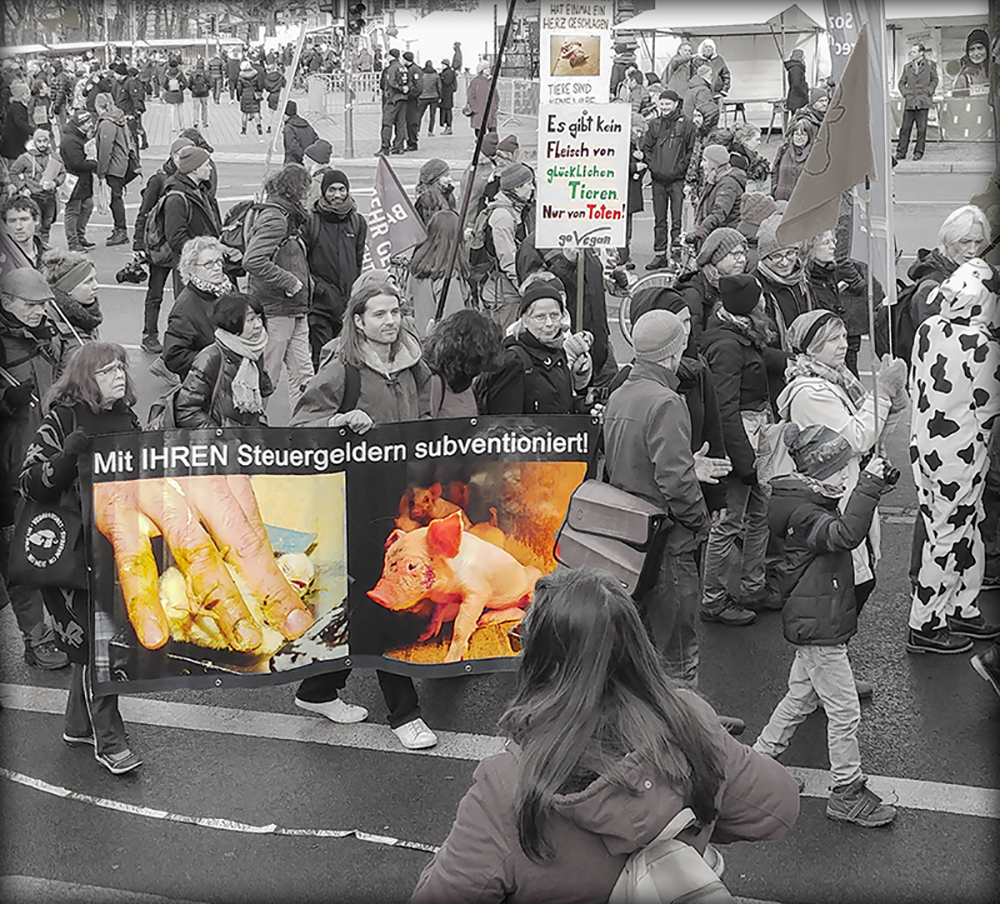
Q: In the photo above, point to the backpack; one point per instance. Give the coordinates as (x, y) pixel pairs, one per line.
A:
(237, 225)
(158, 250)
(668, 870)
(896, 320)
(199, 84)
(352, 389)
(482, 253)
(173, 84)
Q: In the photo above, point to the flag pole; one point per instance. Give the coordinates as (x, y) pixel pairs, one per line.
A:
(871, 298)
(581, 255)
(463, 210)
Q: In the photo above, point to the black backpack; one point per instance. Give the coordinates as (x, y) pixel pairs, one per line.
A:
(896, 321)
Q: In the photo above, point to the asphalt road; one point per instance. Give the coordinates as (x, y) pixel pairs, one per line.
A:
(73, 832)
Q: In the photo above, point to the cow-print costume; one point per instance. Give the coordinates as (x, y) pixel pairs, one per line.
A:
(955, 392)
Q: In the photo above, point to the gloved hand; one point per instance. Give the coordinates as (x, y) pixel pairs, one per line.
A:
(18, 397)
(77, 443)
(892, 377)
(577, 344)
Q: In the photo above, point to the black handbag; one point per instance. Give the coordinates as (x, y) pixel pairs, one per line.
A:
(46, 549)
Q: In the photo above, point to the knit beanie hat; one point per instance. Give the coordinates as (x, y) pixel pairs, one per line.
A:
(817, 451)
(491, 142)
(509, 145)
(81, 118)
(334, 175)
(515, 175)
(19, 91)
(816, 94)
(433, 170)
(189, 159)
(805, 328)
(408, 56)
(655, 298)
(740, 293)
(180, 143)
(716, 154)
(671, 94)
(550, 287)
(755, 207)
(320, 151)
(718, 244)
(977, 36)
(640, 122)
(291, 108)
(657, 335)
(394, 52)
(767, 236)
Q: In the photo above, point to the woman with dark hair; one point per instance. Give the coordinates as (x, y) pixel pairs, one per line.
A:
(278, 269)
(227, 384)
(435, 189)
(604, 752)
(427, 271)
(93, 396)
(459, 349)
(381, 364)
(791, 159)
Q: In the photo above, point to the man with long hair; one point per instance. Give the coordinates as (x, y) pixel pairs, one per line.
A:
(391, 383)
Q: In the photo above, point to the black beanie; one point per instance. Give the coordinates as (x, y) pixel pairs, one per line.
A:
(291, 108)
(549, 287)
(671, 94)
(740, 293)
(977, 36)
(334, 175)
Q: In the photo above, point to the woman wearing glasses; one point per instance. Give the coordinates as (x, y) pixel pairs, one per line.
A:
(93, 396)
(782, 279)
(545, 366)
(189, 327)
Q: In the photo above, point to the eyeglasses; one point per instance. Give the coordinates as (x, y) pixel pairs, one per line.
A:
(212, 264)
(738, 253)
(785, 256)
(113, 367)
(542, 319)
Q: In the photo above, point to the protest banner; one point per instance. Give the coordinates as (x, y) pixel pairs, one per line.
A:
(263, 556)
(575, 53)
(394, 226)
(582, 191)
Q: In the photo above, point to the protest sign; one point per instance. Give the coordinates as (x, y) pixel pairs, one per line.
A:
(582, 192)
(575, 52)
(394, 226)
(414, 548)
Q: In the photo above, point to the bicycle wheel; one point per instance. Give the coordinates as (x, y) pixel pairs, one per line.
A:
(664, 279)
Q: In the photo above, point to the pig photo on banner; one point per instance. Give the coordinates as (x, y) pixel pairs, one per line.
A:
(445, 549)
(258, 556)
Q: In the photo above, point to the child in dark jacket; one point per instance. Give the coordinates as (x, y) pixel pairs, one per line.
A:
(820, 613)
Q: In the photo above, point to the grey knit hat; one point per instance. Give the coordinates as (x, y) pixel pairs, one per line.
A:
(514, 175)
(817, 451)
(658, 334)
(433, 169)
(718, 244)
(767, 236)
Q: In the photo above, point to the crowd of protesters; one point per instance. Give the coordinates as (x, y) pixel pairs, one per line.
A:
(742, 414)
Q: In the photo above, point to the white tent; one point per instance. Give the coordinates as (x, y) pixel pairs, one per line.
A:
(935, 13)
(731, 18)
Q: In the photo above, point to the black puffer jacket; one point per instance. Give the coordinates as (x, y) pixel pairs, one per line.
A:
(798, 86)
(533, 379)
(205, 398)
(702, 298)
(151, 193)
(823, 287)
(189, 330)
(667, 146)
(335, 248)
(298, 136)
(816, 573)
(76, 161)
(740, 378)
(782, 304)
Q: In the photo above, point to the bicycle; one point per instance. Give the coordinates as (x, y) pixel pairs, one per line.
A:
(666, 278)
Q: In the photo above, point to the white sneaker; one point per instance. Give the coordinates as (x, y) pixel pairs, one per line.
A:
(415, 735)
(335, 710)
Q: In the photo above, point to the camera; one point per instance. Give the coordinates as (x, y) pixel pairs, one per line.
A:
(132, 272)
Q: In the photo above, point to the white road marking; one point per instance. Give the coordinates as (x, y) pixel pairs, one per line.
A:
(911, 794)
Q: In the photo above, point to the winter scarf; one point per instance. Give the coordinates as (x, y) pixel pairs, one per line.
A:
(807, 366)
(799, 154)
(246, 383)
(796, 278)
(829, 490)
(340, 209)
(216, 290)
(754, 328)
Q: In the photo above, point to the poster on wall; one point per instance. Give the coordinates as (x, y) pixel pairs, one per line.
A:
(575, 52)
(262, 556)
(582, 194)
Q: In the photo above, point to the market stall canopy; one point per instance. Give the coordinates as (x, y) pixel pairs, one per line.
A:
(22, 50)
(712, 18)
(934, 13)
